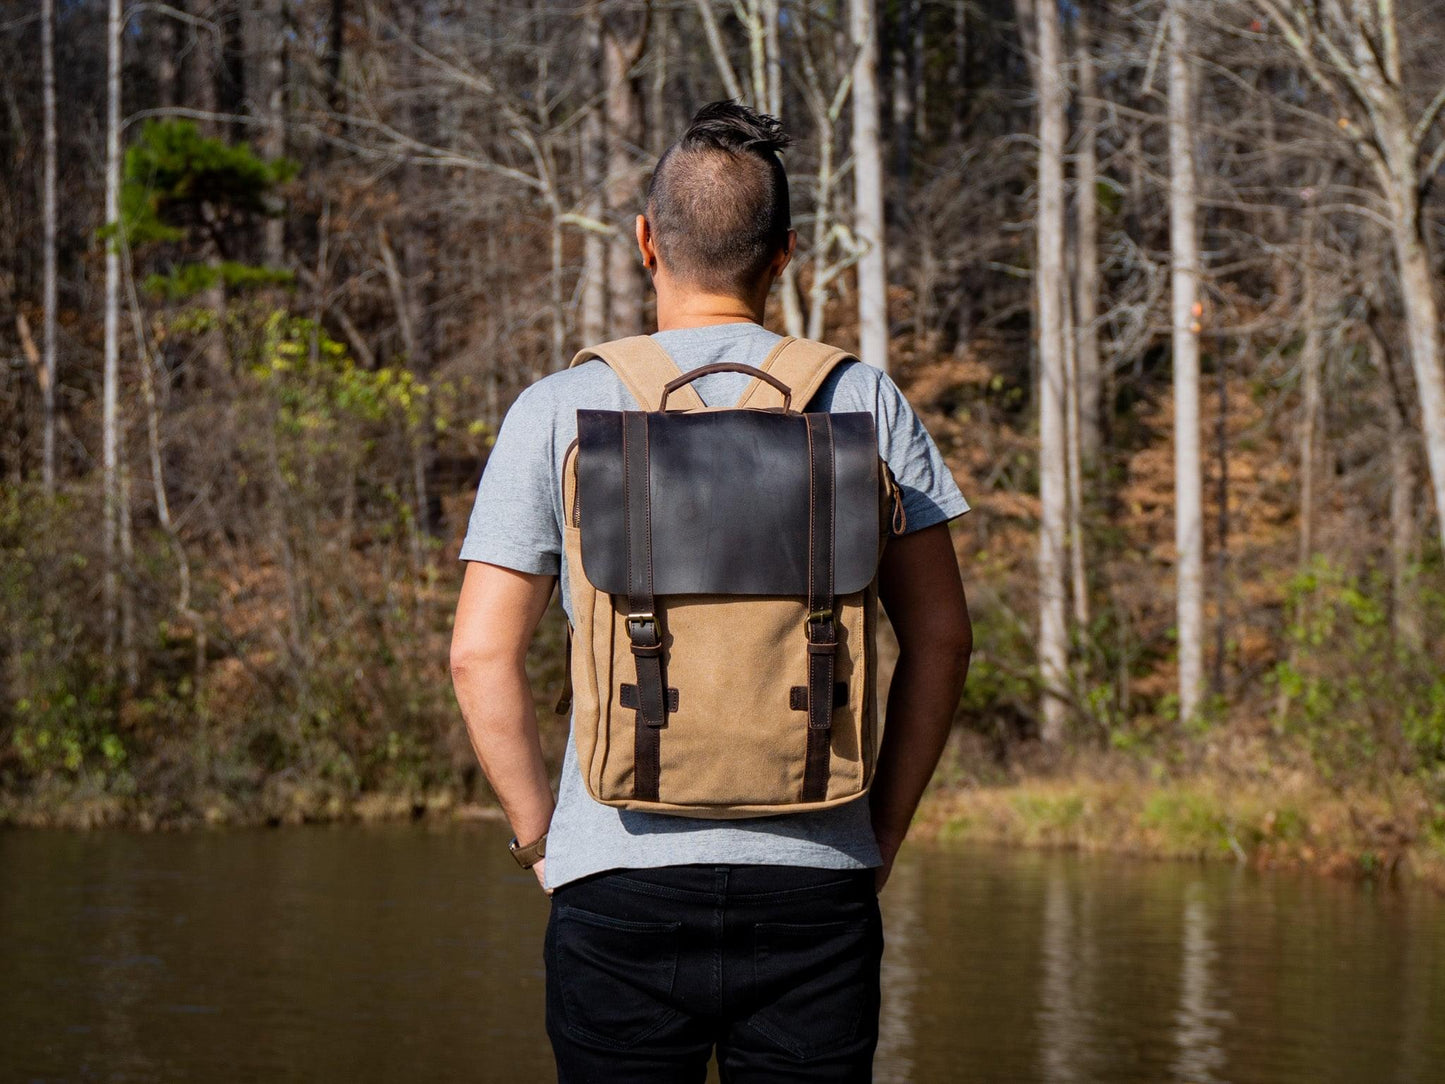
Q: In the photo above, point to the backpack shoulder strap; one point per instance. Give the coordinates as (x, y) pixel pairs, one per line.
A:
(801, 364)
(644, 368)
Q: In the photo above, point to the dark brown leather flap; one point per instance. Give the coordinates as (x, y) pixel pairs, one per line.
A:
(729, 502)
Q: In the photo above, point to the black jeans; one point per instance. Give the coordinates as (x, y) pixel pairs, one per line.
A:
(776, 966)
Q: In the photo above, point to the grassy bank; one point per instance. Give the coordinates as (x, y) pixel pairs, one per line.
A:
(1276, 823)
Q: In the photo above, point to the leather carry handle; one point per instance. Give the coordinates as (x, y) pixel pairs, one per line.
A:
(727, 367)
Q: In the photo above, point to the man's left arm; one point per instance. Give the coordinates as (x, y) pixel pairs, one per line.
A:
(497, 615)
(922, 592)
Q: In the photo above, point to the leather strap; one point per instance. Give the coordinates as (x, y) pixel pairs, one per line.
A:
(531, 854)
(627, 697)
(820, 624)
(643, 628)
(801, 364)
(564, 700)
(798, 696)
(644, 368)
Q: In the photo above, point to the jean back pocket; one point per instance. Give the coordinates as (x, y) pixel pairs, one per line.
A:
(615, 975)
(814, 983)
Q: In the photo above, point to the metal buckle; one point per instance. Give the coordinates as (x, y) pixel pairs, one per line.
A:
(648, 618)
(819, 616)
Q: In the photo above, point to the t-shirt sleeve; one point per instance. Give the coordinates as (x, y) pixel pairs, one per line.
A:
(515, 519)
(930, 495)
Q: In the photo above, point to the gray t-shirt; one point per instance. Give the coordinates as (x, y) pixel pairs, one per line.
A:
(516, 522)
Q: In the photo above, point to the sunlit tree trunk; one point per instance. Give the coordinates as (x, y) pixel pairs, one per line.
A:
(766, 94)
(1188, 478)
(624, 37)
(868, 187)
(110, 381)
(774, 101)
(1049, 283)
(593, 323)
(825, 113)
(1073, 459)
(1422, 315)
(1086, 268)
(50, 292)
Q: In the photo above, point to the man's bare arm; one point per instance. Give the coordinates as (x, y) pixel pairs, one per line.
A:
(922, 593)
(497, 615)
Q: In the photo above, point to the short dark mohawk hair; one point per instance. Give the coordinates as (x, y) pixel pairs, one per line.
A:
(718, 199)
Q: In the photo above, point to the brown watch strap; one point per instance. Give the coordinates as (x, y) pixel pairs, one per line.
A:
(531, 854)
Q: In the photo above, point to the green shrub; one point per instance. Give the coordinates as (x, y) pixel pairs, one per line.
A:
(1362, 700)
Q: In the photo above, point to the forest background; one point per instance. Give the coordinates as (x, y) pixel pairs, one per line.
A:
(1162, 277)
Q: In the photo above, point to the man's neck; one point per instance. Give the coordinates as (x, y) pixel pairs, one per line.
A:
(703, 310)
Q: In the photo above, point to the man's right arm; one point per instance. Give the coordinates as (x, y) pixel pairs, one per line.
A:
(497, 615)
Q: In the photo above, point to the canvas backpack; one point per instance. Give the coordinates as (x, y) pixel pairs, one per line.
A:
(723, 573)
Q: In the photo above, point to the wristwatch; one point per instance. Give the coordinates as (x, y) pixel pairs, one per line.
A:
(531, 854)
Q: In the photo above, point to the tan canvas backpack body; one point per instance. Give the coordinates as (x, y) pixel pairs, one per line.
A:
(723, 565)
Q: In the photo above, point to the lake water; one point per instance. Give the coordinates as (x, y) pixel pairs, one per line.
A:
(414, 953)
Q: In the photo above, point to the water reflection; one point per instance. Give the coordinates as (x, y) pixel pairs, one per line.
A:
(1066, 1014)
(1198, 1033)
(894, 1061)
(415, 953)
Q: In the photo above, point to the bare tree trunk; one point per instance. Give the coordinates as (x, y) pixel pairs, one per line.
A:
(824, 111)
(767, 95)
(1311, 360)
(773, 103)
(1404, 534)
(1188, 483)
(900, 107)
(163, 506)
(110, 388)
(594, 243)
(868, 187)
(1362, 73)
(624, 37)
(958, 70)
(50, 291)
(658, 127)
(1086, 268)
(917, 72)
(130, 659)
(271, 41)
(1073, 460)
(200, 74)
(166, 31)
(204, 66)
(403, 300)
(1422, 315)
(1049, 283)
(1219, 678)
(335, 50)
(716, 46)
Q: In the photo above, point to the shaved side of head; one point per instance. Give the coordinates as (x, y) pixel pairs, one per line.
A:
(718, 199)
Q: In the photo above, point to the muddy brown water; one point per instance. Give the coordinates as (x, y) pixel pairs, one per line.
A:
(407, 953)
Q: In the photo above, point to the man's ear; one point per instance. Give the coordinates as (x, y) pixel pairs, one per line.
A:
(645, 243)
(785, 254)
